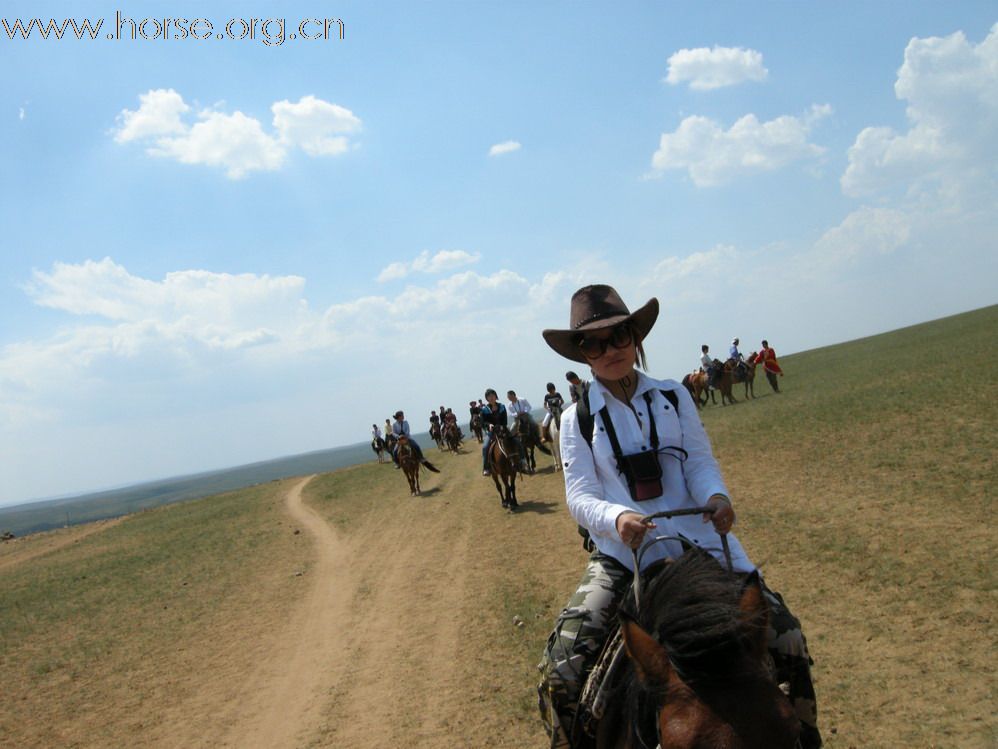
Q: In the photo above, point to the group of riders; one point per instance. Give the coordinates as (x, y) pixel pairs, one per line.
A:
(739, 365)
(485, 416)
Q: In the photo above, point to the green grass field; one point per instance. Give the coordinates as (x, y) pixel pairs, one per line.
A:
(863, 491)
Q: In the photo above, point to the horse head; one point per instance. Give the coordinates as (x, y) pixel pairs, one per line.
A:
(706, 670)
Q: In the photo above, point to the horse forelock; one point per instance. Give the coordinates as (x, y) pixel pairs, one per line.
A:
(692, 609)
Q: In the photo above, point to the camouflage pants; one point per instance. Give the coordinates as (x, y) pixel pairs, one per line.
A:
(584, 624)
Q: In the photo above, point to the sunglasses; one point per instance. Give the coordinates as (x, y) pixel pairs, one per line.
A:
(594, 348)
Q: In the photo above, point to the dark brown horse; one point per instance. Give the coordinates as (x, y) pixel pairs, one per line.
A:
(436, 435)
(529, 434)
(452, 437)
(703, 678)
(476, 427)
(503, 462)
(724, 381)
(409, 461)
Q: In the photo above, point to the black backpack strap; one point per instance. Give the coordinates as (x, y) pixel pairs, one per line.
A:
(585, 416)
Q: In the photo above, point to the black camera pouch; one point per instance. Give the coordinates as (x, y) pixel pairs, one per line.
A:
(643, 472)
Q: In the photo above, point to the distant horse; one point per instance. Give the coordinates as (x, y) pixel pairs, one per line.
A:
(703, 678)
(452, 437)
(391, 440)
(378, 445)
(529, 434)
(696, 384)
(435, 435)
(554, 431)
(503, 462)
(724, 381)
(746, 373)
(476, 427)
(409, 461)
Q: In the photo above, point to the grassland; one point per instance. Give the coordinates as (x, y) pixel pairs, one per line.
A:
(864, 492)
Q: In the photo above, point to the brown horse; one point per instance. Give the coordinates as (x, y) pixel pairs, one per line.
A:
(503, 462)
(696, 384)
(724, 381)
(452, 437)
(436, 435)
(476, 427)
(703, 679)
(409, 461)
(746, 374)
(529, 434)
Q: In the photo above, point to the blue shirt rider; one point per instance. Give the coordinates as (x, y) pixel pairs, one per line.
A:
(493, 414)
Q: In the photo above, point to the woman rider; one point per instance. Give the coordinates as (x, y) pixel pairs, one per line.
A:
(610, 505)
(493, 414)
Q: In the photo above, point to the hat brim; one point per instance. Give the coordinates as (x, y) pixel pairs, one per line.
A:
(565, 342)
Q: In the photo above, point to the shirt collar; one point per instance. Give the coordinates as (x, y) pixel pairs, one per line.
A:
(598, 394)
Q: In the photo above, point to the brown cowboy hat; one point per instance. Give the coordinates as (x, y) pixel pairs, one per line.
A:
(595, 307)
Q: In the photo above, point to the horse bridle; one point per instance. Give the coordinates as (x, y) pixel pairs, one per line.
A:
(636, 584)
(668, 514)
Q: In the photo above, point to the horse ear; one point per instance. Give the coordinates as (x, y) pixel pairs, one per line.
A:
(754, 613)
(650, 659)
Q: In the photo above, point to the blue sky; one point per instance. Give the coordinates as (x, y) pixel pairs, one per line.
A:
(221, 251)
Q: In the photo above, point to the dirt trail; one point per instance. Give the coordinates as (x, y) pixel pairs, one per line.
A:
(285, 694)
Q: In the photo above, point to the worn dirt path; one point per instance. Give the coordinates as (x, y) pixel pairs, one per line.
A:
(285, 694)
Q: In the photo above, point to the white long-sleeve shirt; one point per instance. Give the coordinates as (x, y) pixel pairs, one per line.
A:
(597, 493)
(522, 406)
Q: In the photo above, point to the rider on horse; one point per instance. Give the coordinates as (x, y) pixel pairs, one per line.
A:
(613, 480)
(552, 402)
(737, 360)
(493, 414)
(518, 407)
(707, 365)
(400, 427)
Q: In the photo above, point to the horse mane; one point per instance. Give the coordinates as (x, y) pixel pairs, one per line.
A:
(692, 608)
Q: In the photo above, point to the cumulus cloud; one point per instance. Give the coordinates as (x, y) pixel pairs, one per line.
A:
(712, 155)
(215, 310)
(950, 87)
(706, 69)
(694, 264)
(439, 262)
(507, 146)
(159, 114)
(876, 231)
(235, 142)
(318, 127)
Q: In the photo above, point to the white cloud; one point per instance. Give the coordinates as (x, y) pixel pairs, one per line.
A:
(442, 261)
(21, 114)
(714, 156)
(951, 89)
(236, 142)
(695, 264)
(214, 310)
(319, 127)
(706, 69)
(159, 114)
(507, 146)
(877, 231)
